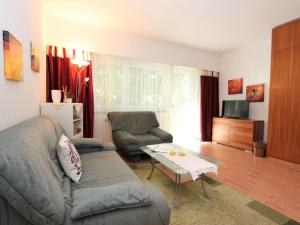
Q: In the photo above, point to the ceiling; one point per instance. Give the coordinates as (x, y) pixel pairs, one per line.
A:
(210, 25)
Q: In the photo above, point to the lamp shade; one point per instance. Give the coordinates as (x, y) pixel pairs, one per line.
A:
(79, 59)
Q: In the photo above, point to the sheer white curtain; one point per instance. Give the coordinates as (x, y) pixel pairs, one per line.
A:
(185, 106)
(124, 84)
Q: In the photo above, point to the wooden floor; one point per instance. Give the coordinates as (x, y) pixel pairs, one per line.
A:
(274, 182)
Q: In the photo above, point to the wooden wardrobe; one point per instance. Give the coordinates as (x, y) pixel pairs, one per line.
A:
(284, 103)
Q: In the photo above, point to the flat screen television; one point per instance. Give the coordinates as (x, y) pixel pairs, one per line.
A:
(235, 109)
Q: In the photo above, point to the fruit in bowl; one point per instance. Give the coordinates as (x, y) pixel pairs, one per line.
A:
(172, 152)
(181, 153)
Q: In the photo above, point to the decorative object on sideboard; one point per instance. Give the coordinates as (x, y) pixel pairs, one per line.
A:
(35, 60)
(68, 95)
(13, 57)
(80, 63)
(255, 93)
(235, 86)
(56, 96)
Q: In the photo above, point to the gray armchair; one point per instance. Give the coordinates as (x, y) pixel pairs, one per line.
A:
(132, 130)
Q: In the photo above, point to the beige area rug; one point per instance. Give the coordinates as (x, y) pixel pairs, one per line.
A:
(225, 206)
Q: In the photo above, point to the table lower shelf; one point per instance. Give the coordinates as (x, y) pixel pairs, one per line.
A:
(185, 178)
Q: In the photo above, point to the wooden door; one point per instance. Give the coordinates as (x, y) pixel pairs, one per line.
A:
(294, 132)
(284, 103)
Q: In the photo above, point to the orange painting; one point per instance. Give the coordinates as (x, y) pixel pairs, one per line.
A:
(255, 93)
(13, 58)
(34, 55)
(235, 86)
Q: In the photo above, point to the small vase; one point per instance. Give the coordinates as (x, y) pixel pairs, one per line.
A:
(56, 96)
(68, 100)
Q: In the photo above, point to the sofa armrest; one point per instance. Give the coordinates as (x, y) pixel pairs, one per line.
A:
(88, 145)
(161, 134)
(122, 138)
(91, 201)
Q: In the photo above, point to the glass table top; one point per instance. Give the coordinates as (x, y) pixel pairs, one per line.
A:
(171, 165)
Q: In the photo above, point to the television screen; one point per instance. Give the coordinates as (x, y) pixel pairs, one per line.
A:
(235, 109)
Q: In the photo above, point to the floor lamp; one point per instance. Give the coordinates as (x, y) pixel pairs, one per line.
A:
(80, 65)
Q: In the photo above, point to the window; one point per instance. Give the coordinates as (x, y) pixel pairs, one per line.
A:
(173, 92)
(125, 84)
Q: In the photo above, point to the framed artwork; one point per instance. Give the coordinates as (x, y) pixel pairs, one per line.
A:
(13, 57)
(34, 55)
(235, 86)
(255, 93)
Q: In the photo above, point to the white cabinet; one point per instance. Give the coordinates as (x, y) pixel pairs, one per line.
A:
(69, 115)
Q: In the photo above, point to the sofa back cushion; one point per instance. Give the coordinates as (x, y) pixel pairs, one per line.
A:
(29, 180)
(133, 122)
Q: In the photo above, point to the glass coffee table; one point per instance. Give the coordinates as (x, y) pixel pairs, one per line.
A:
(176, 173)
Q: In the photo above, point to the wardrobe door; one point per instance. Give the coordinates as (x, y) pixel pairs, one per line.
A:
(282, 37)
(294, 132)
(296, 41)
(279, 103)
(284, 103)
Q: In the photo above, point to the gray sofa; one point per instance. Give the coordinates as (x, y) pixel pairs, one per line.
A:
(35, 191)
(132, 130)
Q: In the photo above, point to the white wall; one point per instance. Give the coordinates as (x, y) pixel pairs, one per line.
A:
(253, 64)
(64, 33)
(72, 34)
(21, 100)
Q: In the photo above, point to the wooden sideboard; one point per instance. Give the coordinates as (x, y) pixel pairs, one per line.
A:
(237, 133)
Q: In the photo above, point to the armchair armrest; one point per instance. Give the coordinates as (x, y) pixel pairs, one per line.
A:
(163, 135)
(87, 145)
(122, 138)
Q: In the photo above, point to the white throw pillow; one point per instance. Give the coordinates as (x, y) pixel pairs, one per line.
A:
(69, 158)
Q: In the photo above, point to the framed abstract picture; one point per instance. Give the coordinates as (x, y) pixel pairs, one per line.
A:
(13, 57)
(235, 86)
(255, 93)
(34, 55)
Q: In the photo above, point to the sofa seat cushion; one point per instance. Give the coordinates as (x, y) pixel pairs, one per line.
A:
(90, 201)
(148, 139)
(103, 168)
(158, 213)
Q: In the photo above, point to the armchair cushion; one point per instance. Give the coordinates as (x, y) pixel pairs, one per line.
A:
(90, 201)
(148, 139)
(163, 135)
(122, 138)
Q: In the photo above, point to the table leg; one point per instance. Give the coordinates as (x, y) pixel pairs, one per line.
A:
(202, 183)
(176, 192)
(152, 168)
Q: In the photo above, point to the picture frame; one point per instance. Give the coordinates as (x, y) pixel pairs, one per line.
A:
(255, 93)
(235, 86)
(13, 57)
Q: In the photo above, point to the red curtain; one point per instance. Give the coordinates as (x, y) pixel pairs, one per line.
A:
(60, 73)
(209, 105)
